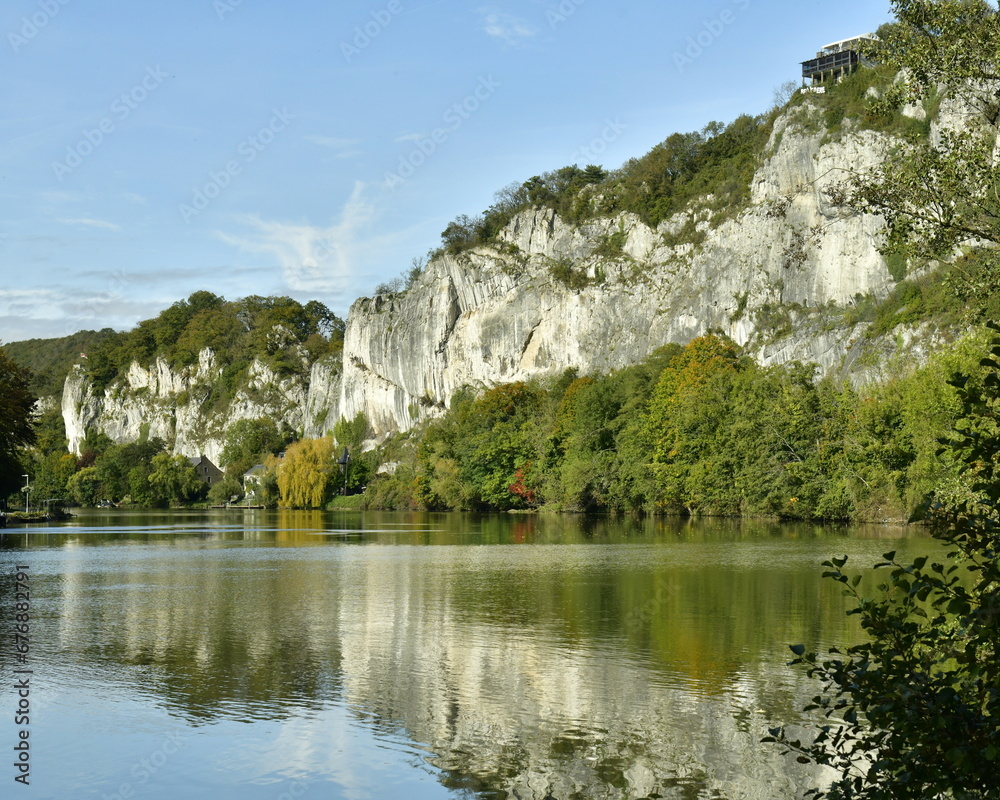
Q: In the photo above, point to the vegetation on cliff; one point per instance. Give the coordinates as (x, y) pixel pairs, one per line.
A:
(717, 162)
(279, 331)
(49, 360)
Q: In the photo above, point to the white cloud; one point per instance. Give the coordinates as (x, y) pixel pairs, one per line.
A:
(316, 259)
(92, 223)
(409, 137)
(28, 313)
(332, 141)
(57, 197)
(346, 148)
(501, 25)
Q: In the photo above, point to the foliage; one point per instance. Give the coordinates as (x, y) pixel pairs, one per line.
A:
(173, 480)
(687, 407)
(224, 491)
(279, 331)
(716, 164)
(351, 433)
(85, 487)
(49, 360)
(249, 442)
(869, 99)
(123, 471)
(563, 271)
(936, 193)
(404, 281)
(698, 429)
(139, 474)
(470, 459)
(306, 475)
(50, 431)
(914, 712)
(16, 429)
(266, 492)
(51, 474)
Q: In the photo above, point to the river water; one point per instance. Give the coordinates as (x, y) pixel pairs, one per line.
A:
(271, 655)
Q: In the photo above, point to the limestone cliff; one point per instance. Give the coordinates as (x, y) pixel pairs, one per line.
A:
(184, 407)
(768, 277)
(499, 314)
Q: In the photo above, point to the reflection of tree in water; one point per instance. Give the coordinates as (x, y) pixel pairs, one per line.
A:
(570, 671)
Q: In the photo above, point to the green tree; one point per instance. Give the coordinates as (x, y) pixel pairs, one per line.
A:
(50, 430)
(16, 425)
(52, 473)
(938, 192)
(224, 491)
(351, 433)
(85, 487)
(123, 470)
(173, 480)
(775, 437)
(689, 406)
(914, 712)
(485, 446)
(249, 442)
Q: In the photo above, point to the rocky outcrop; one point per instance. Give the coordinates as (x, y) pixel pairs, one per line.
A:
(550, 296)
(188, 408)
(502, 314)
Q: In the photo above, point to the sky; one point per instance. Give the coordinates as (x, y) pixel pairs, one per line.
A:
(314, 149)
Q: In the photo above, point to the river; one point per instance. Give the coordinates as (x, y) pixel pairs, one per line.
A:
(253, 654)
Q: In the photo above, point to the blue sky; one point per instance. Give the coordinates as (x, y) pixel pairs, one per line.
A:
(149, 150)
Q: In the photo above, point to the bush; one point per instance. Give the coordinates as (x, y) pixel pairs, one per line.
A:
(914, 712)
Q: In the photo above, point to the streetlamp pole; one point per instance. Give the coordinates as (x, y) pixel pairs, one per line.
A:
(26, 490)
(345, 462)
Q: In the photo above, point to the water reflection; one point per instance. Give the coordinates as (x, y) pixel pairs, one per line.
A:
(525, 657)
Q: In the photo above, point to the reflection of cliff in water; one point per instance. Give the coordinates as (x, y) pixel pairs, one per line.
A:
(564, 670)
(522, 703)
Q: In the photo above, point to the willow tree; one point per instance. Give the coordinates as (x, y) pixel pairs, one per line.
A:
(306, 473)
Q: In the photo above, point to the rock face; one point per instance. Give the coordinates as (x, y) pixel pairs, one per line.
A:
(495, 315)
(184, 407)
(509, 312)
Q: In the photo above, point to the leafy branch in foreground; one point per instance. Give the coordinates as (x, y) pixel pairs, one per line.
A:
(914, 712)
(942, 190)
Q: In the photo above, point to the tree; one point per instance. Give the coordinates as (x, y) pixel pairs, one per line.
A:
(16, 425)
(85, 487)
(485, 445)
(173, 479)
(249, 442)
(52, 473)
(688, 407)
(914, 712)
(123, 469)
(936, 193)
(224, 491)
(50, 430)
(306, 474)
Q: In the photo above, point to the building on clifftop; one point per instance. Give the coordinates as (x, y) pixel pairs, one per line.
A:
(836, 61)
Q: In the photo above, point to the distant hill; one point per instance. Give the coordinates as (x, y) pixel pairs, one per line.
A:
(50, 359)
